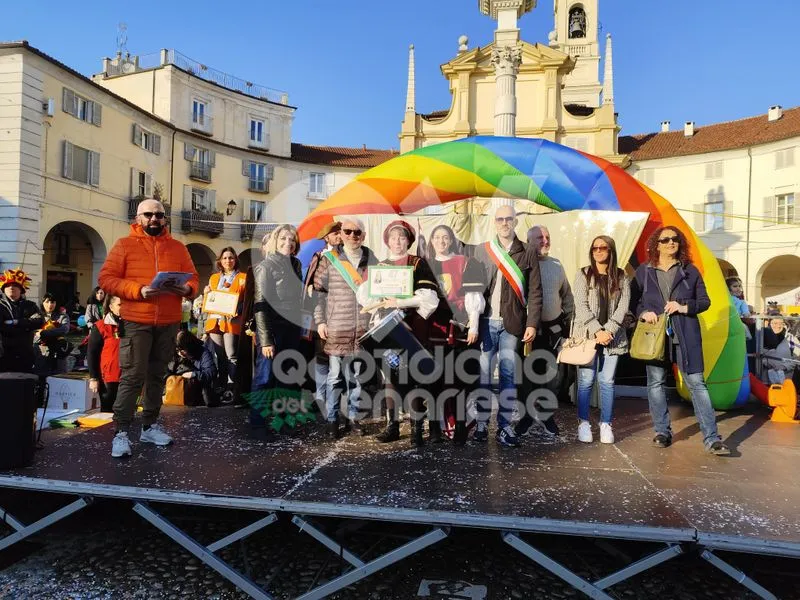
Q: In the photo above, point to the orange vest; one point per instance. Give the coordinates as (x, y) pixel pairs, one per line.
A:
(227, 324)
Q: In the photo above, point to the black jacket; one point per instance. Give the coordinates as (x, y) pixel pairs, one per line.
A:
(516, 316)
(278, 296)
(16, 342)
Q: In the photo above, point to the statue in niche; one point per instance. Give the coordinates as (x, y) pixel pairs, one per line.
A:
(577, 23)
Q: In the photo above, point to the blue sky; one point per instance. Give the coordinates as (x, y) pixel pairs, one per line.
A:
(344, 62)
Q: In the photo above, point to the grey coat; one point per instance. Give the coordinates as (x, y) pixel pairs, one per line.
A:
(587, 307)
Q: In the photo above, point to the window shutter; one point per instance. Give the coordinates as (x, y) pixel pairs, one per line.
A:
(134, 182)
(137, 135)
(699, 218)
(727, 219)
(94, 165)
(788, 159)
(97, 113)
(246, 168)
(266, 139)
(187, 197)
(769, 211)
(211, 200)
(212, 158)
(67, 160)
(270, 171)
(156, 144)
(148, 185)
(68, 102)
(188, 151)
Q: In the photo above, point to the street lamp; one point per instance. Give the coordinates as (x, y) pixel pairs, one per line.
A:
(231, 207)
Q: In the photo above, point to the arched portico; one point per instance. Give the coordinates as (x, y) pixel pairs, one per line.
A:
(73, 255)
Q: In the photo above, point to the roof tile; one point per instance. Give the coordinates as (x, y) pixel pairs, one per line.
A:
(339, 156)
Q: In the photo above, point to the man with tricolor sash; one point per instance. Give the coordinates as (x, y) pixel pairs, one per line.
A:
(340, 322)
(513, 310)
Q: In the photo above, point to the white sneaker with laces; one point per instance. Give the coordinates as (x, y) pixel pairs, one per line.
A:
(121, 446)
(155, 435)
(585, 432)
(606, 433)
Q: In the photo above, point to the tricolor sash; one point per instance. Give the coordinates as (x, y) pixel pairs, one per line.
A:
(510, 270)
(345, 269)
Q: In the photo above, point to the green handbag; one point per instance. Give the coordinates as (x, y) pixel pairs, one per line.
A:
(649, 339)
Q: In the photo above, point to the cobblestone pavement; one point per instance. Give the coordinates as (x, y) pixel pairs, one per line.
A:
(107, 551)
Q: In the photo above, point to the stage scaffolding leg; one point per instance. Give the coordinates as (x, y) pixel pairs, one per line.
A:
(648, 562)
(557, 569)
(24, 531)
(328, 542)
(737, 575)
(204, 553)
(375, 565)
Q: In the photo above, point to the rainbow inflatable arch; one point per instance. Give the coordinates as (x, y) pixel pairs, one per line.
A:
(559, 178)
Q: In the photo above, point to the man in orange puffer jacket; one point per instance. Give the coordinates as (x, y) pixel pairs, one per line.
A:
(150, 318)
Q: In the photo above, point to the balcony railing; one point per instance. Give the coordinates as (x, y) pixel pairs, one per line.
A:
(133, 205)
(256, 231)
(203, 124)
(202, 221)
(321, 193)
(259, 185)
(200, 171)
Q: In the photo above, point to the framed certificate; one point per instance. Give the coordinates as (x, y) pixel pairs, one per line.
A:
(389, 281)
(217, 302)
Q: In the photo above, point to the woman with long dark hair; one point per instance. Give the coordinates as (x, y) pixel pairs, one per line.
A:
(461, 282)
(50, 341)
(102, 355)
(669, 284)
(602, 298)
(224, 330)
(94, 307)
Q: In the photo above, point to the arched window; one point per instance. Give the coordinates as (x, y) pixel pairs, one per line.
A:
(577, 22)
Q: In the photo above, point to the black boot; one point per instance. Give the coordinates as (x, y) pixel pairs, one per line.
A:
(417, 429)
(460, 434)
(332, 429)
(355, 428)
(435, 432)
(391, 432)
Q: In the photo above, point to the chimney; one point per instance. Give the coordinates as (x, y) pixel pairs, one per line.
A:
(664, 126)
(364, 147)
(688, 128)
(775, 113)
(106, 65)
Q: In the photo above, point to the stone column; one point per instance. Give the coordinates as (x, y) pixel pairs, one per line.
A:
(506, 61)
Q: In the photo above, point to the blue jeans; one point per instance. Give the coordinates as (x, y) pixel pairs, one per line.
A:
(603, 369)
(657, 398)
(321, 370)
(343, 377)
(285, 337)
(496, 342)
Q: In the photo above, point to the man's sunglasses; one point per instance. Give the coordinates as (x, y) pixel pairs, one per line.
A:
(504, 219)
(353, 232)
(667, 240)
(150, 215)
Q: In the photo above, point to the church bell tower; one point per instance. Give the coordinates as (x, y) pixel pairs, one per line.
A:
(576, 33)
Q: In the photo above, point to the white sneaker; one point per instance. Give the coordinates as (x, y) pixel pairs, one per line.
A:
(585, 432)
(155, 435)
(121, 446)
(606, 434)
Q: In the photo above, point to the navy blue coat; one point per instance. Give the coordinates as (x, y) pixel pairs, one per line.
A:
(688, 288)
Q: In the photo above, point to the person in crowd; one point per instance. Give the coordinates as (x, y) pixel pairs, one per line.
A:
(224, 330)
(737, 296)
(602, 300)
(94, 308)
(669, 284)
(52, 347)
(151, 319)
(277, 299)
(19, 320)
(196, 361)
(557, 310)
(199, 317)
(332, 235)
(513, 310)
(102, 355)
(340, 323)
(455, 324)
(780, 351)
(398, 237)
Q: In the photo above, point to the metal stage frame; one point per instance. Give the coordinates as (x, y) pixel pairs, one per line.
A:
(308, 516)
